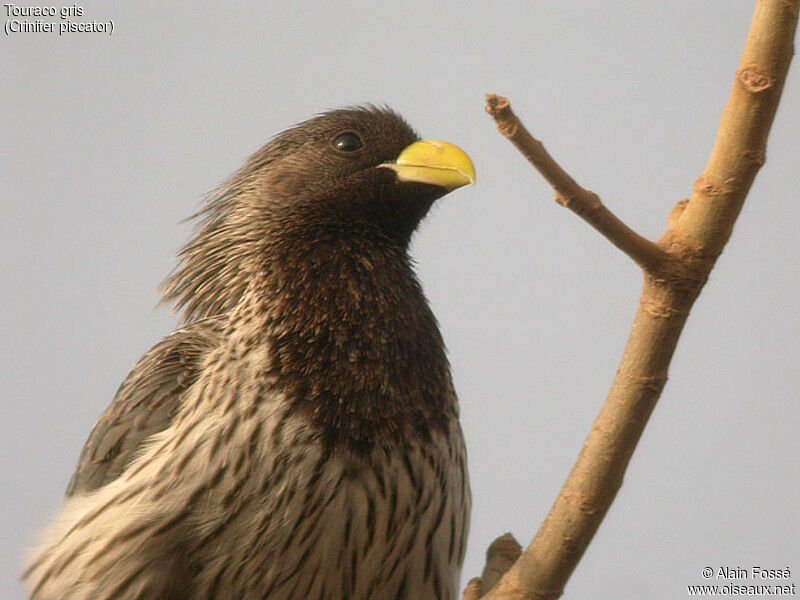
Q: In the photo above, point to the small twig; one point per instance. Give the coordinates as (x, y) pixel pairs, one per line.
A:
(502, 553)
(474, 589)
(586, 204)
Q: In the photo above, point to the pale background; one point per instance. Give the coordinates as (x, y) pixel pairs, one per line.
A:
(109, 141)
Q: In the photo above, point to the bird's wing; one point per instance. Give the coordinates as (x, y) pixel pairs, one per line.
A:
(144, 405)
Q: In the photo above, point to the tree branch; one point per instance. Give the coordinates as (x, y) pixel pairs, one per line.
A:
(698, 231)
(740, 147)
(584, 203)
(502, 553)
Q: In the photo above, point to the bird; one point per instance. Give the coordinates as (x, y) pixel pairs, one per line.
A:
(298, 436)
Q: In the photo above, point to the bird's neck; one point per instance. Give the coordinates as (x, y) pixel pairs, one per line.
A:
(353, 341)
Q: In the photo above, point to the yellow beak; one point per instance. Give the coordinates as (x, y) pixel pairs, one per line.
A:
(436, 163)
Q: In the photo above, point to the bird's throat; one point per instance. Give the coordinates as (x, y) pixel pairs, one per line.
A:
(355, 345)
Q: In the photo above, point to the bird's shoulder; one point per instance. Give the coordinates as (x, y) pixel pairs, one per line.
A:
(144, 404)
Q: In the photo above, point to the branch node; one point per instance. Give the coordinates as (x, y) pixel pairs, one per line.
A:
(676, 213)
(564, 201)
(753, 80)
(757, 157)
(497, 106)
(659, 310)
(500, 109)
(654, 383)
(708, 185)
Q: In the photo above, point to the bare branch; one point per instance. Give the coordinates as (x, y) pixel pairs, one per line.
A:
(698, 231)
(474, 589)
(584, 203)
(740, 147)
(502, 553)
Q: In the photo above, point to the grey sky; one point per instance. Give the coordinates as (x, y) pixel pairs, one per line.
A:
(109, 141)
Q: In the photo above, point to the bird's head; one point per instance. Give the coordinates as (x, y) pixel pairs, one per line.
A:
(351, 172)
(356, 168)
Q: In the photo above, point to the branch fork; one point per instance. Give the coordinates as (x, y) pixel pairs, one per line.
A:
(584, 203)
(675, 270)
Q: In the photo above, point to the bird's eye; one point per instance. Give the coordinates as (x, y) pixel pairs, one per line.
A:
(349, 141)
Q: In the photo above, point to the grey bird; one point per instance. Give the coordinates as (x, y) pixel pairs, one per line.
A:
(298, 437)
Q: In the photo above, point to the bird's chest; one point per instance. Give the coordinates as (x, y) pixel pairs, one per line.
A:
(286, 514)
(299, 520)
